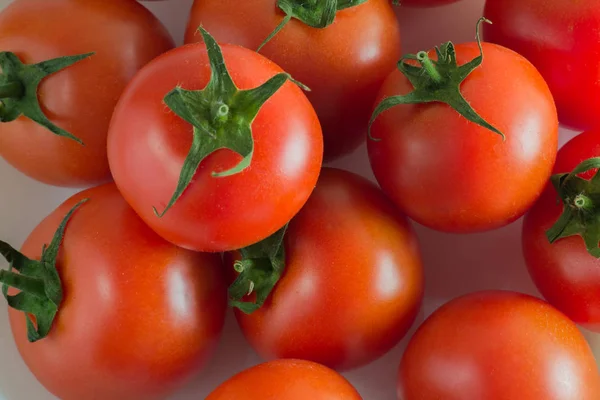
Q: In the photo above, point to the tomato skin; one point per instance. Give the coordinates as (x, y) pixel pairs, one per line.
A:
(564, 272)
(562, 39)
(139, 315)
(123, 34)
(452, 175)
(498, 346)
(343, 64)
(286, 379)
(147, 147)
(426, 3)
(343, 300)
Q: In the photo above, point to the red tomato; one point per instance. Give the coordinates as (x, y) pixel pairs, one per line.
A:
(453, 175)
(286, 379)
(425, 3)
(352, 284)
(343, 64)
(562, 39)
(147, 147)
(80, 99)
(138, 316)
(498, 346)
(564, 272)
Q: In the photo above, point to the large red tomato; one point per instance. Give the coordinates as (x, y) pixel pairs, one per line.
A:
(564, 272)
(80, 99)
(343, 64)
(267, 156)
(138, 315)
(352, 283)
(286, 379)
(452, 174)
(562, 39)
(498, 346)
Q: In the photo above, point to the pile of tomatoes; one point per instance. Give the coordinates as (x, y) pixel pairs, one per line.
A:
(203, 190)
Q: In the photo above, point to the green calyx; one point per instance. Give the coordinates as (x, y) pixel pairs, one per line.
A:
(221, 116)
(259, 268)
(581, 201)
(437, 81)
(19, 85)
(314, 13)
(38, 282)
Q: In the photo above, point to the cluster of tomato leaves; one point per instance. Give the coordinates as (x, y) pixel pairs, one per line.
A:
(215, 148)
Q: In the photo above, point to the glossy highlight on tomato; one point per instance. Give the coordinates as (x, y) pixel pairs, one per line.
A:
(343, 64)
(498, 345)
(124, 36)
(139, 315)
(353, 280)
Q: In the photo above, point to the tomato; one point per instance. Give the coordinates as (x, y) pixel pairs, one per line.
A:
(564, 272)
(425, 3)
(139, 315)
(562, 39)
(80, 99)
(352, 283)
(286, 379)
(454, 175)
(149, 150)
(343, 64)
(498, 346)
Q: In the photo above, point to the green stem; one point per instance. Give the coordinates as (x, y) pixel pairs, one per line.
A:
(12, 90)
(583, 203)
(23, 283)
(428, 66)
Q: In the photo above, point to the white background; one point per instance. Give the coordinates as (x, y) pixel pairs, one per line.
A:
(454, 264)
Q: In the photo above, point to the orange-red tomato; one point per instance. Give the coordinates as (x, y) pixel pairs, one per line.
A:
(80, 99)
(353, 280)
(498, 346)
(343, 64)
(139, 315)
(426, 3)
(286, 380)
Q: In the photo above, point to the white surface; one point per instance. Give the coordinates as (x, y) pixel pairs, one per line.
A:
(454, 264)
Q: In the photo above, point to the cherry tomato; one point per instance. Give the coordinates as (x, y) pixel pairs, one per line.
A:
(498, 346)
(148, 150)
(352, 283)
(343, 64)
(139, 315)
(80, 99)
(562, 39)
(286, 379)
(454, 175)
(564, 272)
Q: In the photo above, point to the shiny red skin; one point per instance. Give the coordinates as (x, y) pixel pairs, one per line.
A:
(564, 272)
(148, 145)
(286, 379)
(123, 34)
(139, 316)
(498, 346)
(353, 282)
(344, 64)
(562, 39)
(426, 3)
(452, 175)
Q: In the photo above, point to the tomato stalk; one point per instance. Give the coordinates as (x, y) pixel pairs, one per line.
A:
(437, 81)
(38, 282)
(19, 85)
(314, 13)
(221, 116)
(581, 206)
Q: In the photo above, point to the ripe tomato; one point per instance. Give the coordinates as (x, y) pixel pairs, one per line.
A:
(139, 315)
(80, 99)
(352, 283)
(149, 149)
(343, 64)
(425, 3)
(286, 379)
(562, 39)
(564, 272)
(454, 175)
(498, 346)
